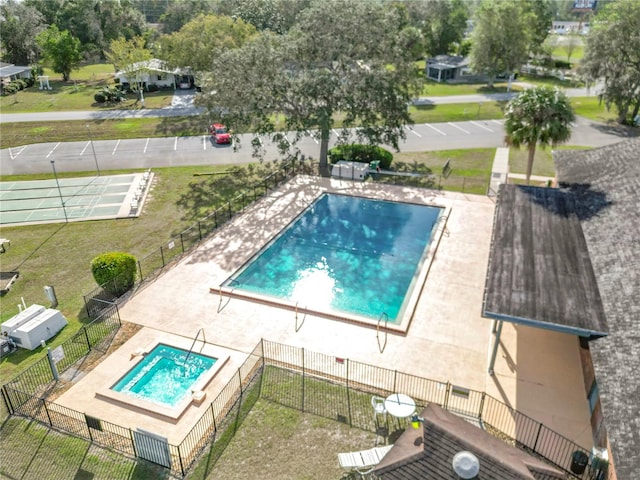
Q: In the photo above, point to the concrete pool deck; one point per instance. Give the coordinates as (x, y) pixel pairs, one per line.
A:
(537, 372)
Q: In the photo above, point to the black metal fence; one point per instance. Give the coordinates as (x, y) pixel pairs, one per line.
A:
(328, 386)
(165, 254)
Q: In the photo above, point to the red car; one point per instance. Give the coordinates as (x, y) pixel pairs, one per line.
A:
(219, 133)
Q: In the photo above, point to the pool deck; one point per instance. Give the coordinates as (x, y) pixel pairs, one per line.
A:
(537, 372)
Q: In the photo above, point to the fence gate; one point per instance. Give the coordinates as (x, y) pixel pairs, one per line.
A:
(152, 447)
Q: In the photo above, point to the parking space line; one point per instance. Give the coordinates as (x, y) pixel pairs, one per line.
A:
(412, 130)
(312, 136)
(204, 142)
(334, 131)
(115, 148)
(146, 145)
(458, 127)
(175, 144)
(499, 122)
(434, 128)
(481, 126)
(20, 150)
(52, 150)
(85, 147)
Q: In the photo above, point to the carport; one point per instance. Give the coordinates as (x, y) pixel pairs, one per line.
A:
(539, 272)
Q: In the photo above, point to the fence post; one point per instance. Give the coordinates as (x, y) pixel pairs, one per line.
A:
(535, 444)
(181, 242)
(446, 397)
(302, 351)
(230, 214)
(140, 271)
(180, 459)
(86, 335)
(481, 408)
(86, 306)
(162, 256)
(44, 404)
(213, 415)
(348, 396)
(133, 443)
(7, 400)
(199, 231)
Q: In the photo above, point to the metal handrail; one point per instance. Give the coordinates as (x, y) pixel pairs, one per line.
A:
(194, 343)
(386, 320)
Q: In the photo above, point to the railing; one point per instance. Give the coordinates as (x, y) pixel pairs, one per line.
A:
(328, 386)
(172, 250)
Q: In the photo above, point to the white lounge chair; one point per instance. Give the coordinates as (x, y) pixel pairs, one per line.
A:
(364, 461)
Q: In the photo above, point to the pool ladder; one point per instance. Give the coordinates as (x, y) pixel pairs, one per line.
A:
(383, 318)
(204, 340)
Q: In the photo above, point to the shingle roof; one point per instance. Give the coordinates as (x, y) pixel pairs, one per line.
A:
(427, 453)
(539, 271)
(612, 235)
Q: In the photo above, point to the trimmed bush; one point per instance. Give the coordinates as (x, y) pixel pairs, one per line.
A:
(114, 271)
(361, 153)
(100, 97)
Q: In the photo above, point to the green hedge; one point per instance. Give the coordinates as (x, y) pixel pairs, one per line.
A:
(361, 153)
(114, 271)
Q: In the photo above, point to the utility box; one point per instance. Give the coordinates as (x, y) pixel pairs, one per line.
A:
(350, 170)
(34, 324)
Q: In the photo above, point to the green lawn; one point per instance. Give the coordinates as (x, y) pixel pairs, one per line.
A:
(456, 112)
(592, 108)
(77, 93)
(435, 89)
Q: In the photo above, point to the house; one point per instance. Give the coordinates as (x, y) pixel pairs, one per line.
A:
(10, 72)
(444, 440)
(566, 260)
(154, 72)
(447, 67)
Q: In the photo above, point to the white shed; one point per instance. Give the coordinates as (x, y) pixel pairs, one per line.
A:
(33, 325)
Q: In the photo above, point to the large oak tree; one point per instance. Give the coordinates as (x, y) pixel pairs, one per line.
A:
(351, 59)
(612, 55)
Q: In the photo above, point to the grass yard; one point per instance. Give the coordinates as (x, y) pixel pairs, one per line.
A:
(435, 89)
(457, 112)
(77, 93)
(592, 108)
(177, 199)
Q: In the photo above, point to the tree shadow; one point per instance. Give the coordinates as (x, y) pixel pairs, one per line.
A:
(622, 131)
(570, 199)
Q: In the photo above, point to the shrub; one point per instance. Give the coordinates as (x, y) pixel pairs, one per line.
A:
(153, 88)
(100, 97)
(114, 271)
(361, 153)
(20, 83)
(29, 81)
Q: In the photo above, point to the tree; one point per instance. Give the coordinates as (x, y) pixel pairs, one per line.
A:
(61, 50)
(132, 57)
(540, 115)
(568, 44)
(541, 20)
(178, 14)
(203, 39)
(345, 58)
(612, 55)
(20, 25)
(444, 24)
(500, 38)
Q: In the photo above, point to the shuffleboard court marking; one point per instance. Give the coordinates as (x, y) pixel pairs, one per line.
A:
(52, 150)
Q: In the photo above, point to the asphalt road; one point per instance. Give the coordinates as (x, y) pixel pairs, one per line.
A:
(200, 151)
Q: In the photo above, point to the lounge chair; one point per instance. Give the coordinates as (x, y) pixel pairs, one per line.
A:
(364, 461)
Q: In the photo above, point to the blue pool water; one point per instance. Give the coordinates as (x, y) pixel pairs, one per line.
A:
(163, 376)
(344, 254)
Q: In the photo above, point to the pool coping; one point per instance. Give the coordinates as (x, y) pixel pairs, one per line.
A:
(172, 413)
(408, 309)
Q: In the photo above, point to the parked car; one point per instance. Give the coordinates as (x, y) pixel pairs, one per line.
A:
(219, 133)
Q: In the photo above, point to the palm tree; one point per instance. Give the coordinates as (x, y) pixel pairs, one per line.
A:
(538, 115)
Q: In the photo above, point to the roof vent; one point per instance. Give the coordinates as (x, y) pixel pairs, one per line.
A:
(466, 465)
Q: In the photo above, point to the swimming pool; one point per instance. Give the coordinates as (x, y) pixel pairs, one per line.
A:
(165, 375)
(346, 255)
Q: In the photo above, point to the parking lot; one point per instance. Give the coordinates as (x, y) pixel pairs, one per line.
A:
(201, 150)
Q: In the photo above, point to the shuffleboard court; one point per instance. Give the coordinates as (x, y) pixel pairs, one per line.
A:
(73, 199)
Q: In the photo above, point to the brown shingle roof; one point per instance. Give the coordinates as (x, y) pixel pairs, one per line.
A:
(427, 453)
